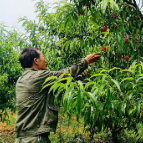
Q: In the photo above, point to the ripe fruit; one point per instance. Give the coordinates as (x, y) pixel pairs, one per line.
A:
(83, 74)
(82, 12)
(126, 69)
(88, 3)
(141, 111)
(125, 40)
(86, 72)
(107, 48)
(126, 58)
(119, 55)
(113, 14)
(92, 132)
(113, 125)
(102, 48)
(136, 17)
(104, 29)
(109, 7)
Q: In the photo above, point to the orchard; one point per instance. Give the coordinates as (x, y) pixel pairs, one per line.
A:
(108, 96)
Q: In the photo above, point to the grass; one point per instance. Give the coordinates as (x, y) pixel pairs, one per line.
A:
(70, 132)
(7, 131)
(67, 131)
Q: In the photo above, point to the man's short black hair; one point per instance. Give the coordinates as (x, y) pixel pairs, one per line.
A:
(27, 57)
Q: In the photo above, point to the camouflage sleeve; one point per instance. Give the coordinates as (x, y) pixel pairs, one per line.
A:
(74, 70)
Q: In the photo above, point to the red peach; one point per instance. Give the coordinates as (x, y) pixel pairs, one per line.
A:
(107, 48)
(119, 55)
(125, 40)
(102, 48)
(104, 29)
(88, 3)
(82, 12)
(113, 14)
(126, 58)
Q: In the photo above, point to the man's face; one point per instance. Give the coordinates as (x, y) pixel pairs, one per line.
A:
(41, 62)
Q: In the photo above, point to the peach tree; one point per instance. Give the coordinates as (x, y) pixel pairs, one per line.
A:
(10, 70)
(115, 29)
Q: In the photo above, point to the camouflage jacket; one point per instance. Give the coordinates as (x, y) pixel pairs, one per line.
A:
(39, 114)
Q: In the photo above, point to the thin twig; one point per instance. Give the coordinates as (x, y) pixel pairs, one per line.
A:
(136, 6)
(130, 3)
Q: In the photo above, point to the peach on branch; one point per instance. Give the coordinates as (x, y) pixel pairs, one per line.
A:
(126, 58)
(82, 12)
(125, 40)
(126, 69)
(119, 55)
(104, 29)
(107, 48)
(88, 3)
(92, 132)
(102, 48)
(113, 14)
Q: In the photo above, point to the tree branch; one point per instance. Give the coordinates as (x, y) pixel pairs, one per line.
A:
(134, 4)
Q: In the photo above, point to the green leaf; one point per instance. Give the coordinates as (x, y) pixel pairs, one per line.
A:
(57, 85)
(81, 85)
(131, 111)
(139, 79)
(79, 104)
(50, 78)
(65, 79)
(138, 107)
(74, 104)
(108, 99)
(127, 79)
(115, 68)
(114, 5)
(91, 96)
(67, 44)
(123, 106)
(89, 83)
(47, 85)
(103, 5)
(65, 75)
(70, 89)
(117, 84)
(53, 86)
(97, 75)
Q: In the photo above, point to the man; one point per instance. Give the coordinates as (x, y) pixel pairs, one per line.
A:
(37, 115)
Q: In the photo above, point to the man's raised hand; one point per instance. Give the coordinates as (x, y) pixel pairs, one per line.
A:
(92, 58)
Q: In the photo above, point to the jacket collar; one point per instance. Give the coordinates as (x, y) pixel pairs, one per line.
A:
(30, 69)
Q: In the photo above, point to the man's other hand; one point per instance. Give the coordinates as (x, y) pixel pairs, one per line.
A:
(92, 58)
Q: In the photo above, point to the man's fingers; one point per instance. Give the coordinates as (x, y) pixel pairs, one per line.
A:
(93, 57)
(97, 53)
(93, 54)
(97, 56)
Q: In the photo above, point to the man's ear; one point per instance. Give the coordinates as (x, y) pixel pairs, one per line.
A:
(36, 61)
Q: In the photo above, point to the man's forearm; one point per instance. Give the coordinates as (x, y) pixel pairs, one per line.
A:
(76, 68)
